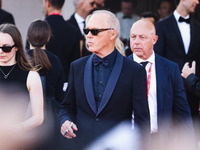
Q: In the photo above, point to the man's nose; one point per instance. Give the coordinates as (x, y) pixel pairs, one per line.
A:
(137, 39)
(89, 34)
(1, 51)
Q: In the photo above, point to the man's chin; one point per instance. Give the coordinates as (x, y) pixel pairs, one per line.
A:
(91, 50)
(139, 54)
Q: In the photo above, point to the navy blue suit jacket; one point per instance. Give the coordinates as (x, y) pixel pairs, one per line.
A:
(170, 46)
(171, 98)
(125, 92)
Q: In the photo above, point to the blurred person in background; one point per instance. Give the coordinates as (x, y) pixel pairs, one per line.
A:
(5, 17)
(13, 107)
(165, 8)
(126, 18)
(152, 17)
(64, 41)
(82, 9)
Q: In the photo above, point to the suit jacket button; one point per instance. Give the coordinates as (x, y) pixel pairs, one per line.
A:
(97, 119)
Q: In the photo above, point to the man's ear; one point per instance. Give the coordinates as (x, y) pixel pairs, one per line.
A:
(48, 3)
(48, 38)
(114, 34)
(155, 39)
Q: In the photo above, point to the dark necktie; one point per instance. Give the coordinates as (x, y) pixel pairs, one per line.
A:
(144, 63)
(97, 61)
(181, 19)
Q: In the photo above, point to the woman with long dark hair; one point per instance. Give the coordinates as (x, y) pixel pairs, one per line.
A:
(50, 69)
(16, 72)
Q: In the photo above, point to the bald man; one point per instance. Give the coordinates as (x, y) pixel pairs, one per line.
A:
(166, 95)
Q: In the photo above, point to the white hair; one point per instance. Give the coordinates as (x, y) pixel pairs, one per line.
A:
(112, 21)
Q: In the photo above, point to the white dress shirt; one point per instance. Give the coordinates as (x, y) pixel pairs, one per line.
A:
(152, 96)
(184, 30)
(80, 22)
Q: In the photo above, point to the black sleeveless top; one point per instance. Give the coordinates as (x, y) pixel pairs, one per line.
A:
(14, 84)
(15, 75)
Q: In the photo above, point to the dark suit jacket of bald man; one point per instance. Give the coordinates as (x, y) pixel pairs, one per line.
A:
(172, 103)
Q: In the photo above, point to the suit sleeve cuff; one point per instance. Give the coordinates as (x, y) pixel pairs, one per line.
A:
(191, 80)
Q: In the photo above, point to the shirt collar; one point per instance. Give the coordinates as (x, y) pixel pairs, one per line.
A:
(177, 16)
(151, 59)
(111, 57)
(78, 18)
(53, 13)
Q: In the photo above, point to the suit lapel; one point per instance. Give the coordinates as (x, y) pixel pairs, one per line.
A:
(88, 86)
(111, 82)
(130, 57)
(192, 37)
(160, 77)
(177, 31)
(76, 24)
(161, 74)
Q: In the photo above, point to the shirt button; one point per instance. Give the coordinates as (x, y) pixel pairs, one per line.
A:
(100, 82)
(99, 95)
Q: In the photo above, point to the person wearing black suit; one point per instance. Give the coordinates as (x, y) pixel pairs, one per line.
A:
(6, 17)
(166, 94)
(64, 41)
(191, 80)
(103, 90)
(179, 42)
(83, 9)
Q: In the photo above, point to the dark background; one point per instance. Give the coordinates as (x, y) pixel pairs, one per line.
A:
(141, 5)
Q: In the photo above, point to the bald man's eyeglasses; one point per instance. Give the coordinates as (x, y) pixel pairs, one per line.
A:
(95, 32)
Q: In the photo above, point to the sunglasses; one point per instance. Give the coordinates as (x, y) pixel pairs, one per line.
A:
(95, 31)
(7, 49)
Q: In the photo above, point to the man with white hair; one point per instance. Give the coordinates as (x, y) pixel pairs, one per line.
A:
(103, 91)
